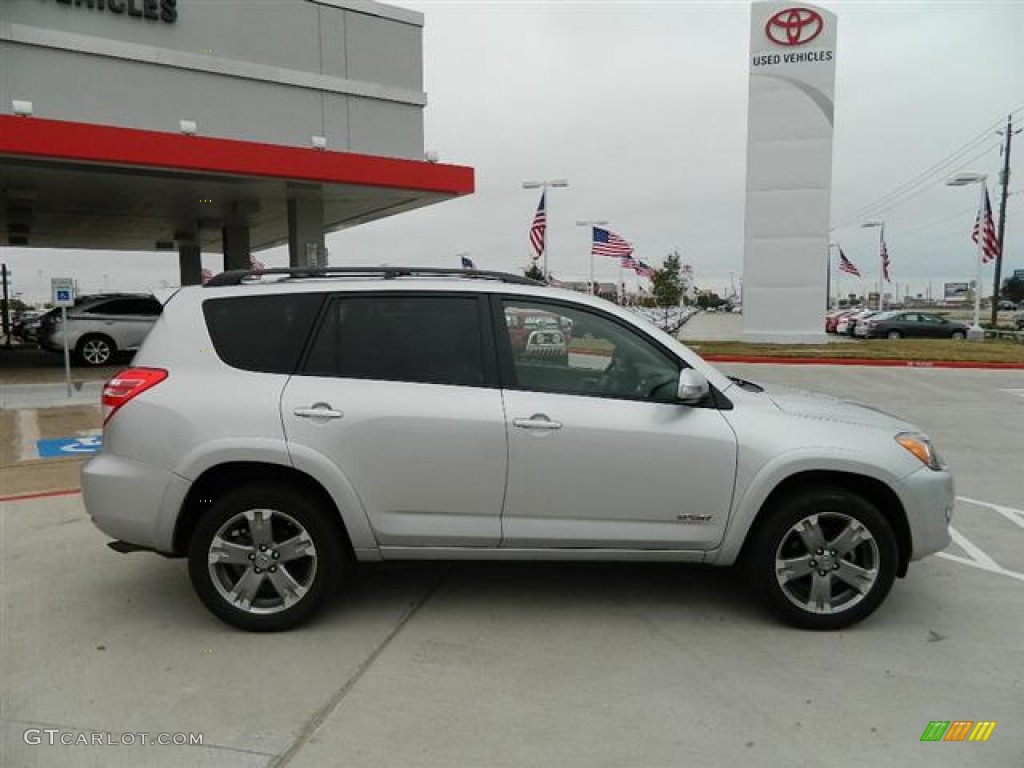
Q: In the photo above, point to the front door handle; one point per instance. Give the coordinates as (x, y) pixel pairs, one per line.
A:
(538, 422)
(318, 412)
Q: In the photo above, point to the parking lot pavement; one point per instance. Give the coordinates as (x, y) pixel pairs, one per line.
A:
(537, 664)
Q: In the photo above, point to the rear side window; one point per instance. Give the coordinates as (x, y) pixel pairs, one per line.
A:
(262, 333)
(427, 339)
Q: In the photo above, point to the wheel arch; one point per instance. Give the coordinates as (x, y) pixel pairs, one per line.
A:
(217, 479)
(871, 489)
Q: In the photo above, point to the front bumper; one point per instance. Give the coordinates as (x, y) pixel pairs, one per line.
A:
(928, 497)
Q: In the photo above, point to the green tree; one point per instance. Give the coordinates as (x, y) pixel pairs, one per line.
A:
(1012, 289)
(534, 272)
(668, 281)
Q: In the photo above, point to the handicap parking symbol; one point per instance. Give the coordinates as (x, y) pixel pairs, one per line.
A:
(63, 447)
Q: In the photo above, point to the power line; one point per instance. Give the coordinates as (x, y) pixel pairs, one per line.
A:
(924, 177)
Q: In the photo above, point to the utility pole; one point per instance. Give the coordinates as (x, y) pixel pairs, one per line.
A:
(1005, 178)
(5, 308)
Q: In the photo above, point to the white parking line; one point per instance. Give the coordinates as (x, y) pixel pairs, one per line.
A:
(980, 558)
(1015, 516)
(974, 564)
(28, 434)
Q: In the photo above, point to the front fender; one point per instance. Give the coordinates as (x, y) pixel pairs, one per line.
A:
(752, 496)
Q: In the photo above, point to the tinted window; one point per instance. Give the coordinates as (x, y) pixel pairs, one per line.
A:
(139, 306)
(572, 351)
(429, 339)
(262, 333)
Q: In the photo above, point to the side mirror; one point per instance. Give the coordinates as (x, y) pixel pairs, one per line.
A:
(692, 386)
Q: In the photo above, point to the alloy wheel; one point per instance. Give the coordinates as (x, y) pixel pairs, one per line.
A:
(827, 563)
(262, 561)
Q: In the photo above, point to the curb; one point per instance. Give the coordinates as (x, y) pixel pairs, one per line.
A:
(39, 495)
(863, 361)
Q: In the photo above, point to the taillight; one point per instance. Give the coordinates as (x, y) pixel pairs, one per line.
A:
(126, 385)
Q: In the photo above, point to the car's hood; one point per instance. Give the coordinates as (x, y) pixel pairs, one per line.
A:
(826, 408)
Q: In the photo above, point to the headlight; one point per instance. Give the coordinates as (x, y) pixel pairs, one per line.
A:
(921, 447)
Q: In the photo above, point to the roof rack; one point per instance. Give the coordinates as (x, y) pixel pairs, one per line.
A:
(240, 276)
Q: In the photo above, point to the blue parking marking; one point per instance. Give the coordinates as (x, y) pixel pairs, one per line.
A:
(62, 447)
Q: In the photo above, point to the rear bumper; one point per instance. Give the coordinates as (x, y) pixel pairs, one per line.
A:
(125, 499)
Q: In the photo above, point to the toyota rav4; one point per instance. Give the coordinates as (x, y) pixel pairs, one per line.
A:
(278, 428)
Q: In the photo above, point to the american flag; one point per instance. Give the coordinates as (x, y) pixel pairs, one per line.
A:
(538, 228)
(628, 262)
(989, 244)
(847, 266)
(607, 243)
(644, 270)
(256, 264)
(467, 263)
(885, 263)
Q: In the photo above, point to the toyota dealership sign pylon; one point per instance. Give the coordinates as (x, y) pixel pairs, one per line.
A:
(789, 171)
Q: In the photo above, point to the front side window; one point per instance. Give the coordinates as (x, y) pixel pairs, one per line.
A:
(426, 339)
(568, 350)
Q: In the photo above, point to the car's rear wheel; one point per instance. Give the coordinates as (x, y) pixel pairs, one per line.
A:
(958, 335)
(824, 559)
(95, 350)
(894, 335)
(266, 557)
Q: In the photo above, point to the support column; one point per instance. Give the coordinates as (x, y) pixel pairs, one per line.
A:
(235, 238)
(190, 263)
(306, 232)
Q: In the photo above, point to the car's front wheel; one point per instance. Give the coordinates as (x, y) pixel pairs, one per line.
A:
(824, 559)
(265, 557)
(894, 335)
(958, 335)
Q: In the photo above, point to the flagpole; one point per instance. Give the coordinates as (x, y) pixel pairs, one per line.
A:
(881, 266)
(976, 325)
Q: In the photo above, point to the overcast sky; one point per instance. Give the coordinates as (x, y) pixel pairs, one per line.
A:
(642, 107)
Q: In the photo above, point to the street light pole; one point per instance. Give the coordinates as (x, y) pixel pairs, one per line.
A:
(976, 332)
(881, 262)
(545, 185)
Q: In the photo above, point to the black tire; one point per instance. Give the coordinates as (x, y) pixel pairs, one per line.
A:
(958, 335)
(95, 350)
(894, 335)
(786, 570)
(312, 560)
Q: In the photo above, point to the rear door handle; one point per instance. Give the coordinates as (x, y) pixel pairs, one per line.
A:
(538, 422)
(318, 412)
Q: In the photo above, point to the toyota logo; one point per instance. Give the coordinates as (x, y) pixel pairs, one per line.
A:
(794, 26)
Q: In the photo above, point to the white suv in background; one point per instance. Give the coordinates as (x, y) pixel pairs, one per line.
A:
(99, 327)
(279, 427)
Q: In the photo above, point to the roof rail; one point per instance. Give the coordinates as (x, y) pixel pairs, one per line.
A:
(240, 276)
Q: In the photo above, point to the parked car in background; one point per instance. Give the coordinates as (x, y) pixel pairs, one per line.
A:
(26, 325)
(909, 325)
(279, 427)
(1006, 305)
(1018, 321)
(848, 323)
(832, 319)
(98, 327)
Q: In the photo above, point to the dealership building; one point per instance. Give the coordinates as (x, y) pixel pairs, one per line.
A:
(228, 127)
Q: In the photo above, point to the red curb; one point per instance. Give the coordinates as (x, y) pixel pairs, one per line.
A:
(861, 361)
(44, 495)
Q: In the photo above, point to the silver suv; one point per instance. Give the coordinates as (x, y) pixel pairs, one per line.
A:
(98, 327)
(279, 427)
